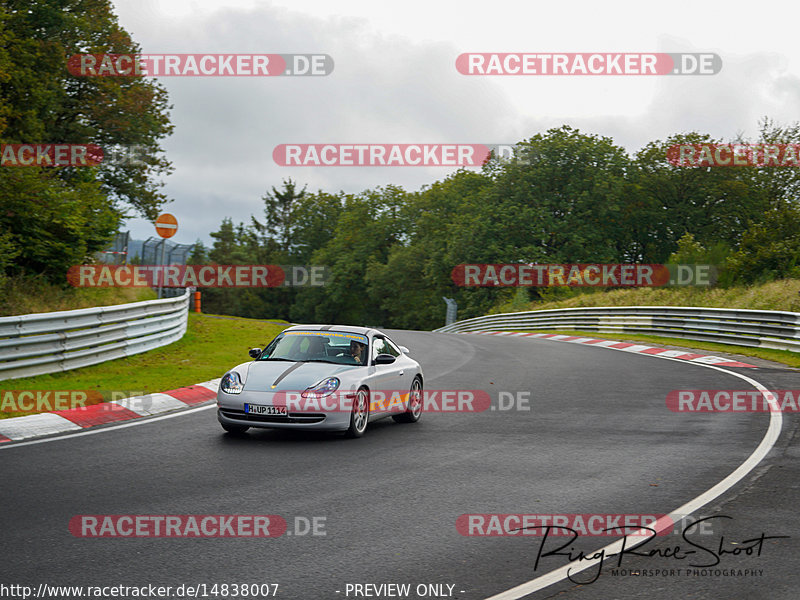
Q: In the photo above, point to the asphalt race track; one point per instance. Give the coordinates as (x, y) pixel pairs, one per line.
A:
(598, 439)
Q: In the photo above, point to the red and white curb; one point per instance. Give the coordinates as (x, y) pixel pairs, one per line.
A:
(706, 359)
(77, 419)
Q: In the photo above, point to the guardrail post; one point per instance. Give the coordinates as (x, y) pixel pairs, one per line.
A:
(161, 262)
(452, 308)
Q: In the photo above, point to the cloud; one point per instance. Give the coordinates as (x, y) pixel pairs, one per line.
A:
(387, 87)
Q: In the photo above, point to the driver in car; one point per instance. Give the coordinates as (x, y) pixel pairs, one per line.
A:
(357, 351)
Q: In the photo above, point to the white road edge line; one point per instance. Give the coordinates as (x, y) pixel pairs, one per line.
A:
(767, 442)
(534, 585)
(93, 430)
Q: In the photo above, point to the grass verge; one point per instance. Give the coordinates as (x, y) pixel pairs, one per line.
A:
(23, 295)
(210, 347)
(791, 359)
(783, 294)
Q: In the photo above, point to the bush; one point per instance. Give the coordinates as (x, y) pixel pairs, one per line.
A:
(770, 249)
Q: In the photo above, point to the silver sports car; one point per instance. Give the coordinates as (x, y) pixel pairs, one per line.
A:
(322, 377)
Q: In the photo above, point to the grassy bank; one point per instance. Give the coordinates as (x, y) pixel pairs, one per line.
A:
(211, 346)
(26, 295)
(783, 294)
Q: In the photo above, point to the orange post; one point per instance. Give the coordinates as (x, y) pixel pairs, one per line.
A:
(197, 302)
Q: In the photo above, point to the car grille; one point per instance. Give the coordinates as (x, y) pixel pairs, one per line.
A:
(306, 418)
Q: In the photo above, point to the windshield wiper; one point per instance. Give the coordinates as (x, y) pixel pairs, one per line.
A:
(322, 360)
(286, 359)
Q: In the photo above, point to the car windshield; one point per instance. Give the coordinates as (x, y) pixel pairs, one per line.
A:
(336, 347)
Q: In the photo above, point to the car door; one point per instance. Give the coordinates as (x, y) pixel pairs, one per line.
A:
(403, 365)
(387, 378)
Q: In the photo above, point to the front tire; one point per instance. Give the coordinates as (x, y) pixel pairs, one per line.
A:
(359, 415)
(414, 409)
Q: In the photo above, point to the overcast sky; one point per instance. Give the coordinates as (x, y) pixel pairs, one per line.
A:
(395, 81)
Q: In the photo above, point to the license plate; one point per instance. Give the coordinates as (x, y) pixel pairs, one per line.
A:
(261, 409)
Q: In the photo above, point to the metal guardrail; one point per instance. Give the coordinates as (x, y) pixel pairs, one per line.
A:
(756, 328)
(59, 341)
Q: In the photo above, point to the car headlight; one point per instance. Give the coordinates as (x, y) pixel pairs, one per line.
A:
(231, 383)
(323, 388)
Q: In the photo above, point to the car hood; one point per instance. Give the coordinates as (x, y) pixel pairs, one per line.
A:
(262, 375)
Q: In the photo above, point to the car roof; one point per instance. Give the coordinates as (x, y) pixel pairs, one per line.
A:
(342, 328)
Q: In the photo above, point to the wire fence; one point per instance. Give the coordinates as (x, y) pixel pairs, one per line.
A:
(174, 254)
(117, 252)
(124, 250)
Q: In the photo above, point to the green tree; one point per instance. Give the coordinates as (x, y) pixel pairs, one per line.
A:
(280, 211)
(59, 216)
(778, 185)
(561, 201)
(8, 252)
(198, 254)
(52, 224)
(769, 249)
(48, 104)
(369, 225)
(227, 249)
(443, 226)
(314, 218)
(715, 204)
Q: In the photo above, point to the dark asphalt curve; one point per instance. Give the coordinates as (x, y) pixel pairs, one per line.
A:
(598, 439)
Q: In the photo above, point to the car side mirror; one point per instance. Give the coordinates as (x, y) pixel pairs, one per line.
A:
(403, 349)
(255, 352)
(384, 359)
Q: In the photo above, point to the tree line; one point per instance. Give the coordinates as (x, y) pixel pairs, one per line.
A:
(55, 217)
(566, 197)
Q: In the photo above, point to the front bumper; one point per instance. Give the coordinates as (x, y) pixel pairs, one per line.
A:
(230, 410)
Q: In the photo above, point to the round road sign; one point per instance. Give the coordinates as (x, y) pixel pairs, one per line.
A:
(166, 225)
